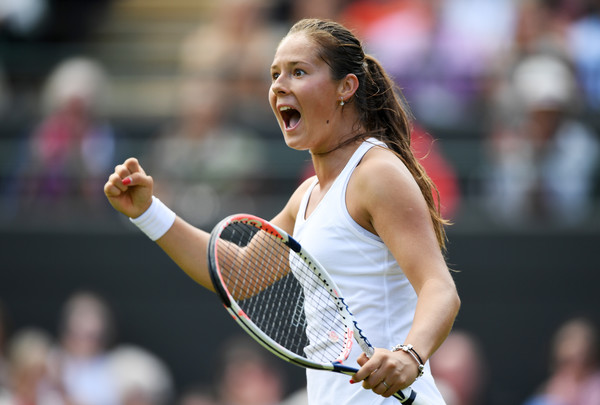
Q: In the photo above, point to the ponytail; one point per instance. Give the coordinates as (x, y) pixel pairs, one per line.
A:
(382, 110)
(385, 115)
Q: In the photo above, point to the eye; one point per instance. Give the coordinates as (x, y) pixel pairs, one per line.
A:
(274, 76)
(299, 72)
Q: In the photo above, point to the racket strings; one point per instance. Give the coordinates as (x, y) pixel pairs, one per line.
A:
(281, 293)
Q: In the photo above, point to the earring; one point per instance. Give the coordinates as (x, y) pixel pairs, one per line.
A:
(342, 102)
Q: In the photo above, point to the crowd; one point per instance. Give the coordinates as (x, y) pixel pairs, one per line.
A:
(81, 364)
(518, 79)
(85, 364)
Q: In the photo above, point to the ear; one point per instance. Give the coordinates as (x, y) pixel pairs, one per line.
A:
(348, 86)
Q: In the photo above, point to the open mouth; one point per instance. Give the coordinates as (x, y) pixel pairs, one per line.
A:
(291, 117)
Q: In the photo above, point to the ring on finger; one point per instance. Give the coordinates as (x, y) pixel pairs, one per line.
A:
(385, 384)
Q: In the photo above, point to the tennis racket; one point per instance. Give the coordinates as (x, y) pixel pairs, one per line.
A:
(282, 297)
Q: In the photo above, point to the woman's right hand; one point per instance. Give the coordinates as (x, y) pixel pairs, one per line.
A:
(129, 189)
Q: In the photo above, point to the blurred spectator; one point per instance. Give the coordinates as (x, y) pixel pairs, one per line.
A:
(22, 18)
(81, 362)
(542, 159)
(460, 370)
(574, 366)
(381, 23)
(30, 382)
(142, 378)
(541, 27)
(233, 46)
(249, 375)
(470, 38)
(207, 161)
(446, 54)
(584, 46)
(71, 150)
(202, 163)
(234, 33)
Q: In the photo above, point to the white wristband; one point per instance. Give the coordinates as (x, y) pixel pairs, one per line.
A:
(156, 220)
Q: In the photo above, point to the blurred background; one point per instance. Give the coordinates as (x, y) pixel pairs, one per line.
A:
(506, 99)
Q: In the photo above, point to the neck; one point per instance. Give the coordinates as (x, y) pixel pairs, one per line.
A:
(330, 157)
(328, 165)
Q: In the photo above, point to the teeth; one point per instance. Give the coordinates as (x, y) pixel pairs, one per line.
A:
(284, 108)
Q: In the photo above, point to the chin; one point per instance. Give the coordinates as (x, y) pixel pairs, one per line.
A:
(293, 142)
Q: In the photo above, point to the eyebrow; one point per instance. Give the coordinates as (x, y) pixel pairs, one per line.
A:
(291, 63)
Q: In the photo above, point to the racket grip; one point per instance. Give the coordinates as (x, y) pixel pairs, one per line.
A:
(408, 396)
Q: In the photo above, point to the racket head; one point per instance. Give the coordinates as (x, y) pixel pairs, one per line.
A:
(279, 293)
(282, 261)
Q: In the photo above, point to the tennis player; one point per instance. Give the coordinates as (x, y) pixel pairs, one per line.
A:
(368, 215)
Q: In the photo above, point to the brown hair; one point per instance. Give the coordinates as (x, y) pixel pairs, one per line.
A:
(382, 109)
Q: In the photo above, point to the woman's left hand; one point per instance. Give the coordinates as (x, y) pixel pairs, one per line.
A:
(386, 372)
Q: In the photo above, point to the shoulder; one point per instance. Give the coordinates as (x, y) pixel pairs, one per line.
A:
(386, 199)
(382, 172)
(382, 192)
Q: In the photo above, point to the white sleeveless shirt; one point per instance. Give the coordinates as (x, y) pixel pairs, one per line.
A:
(373, 284)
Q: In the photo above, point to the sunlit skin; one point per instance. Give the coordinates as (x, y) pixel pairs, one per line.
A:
(303, 81)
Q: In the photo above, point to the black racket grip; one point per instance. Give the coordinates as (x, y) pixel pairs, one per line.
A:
(402, 397)
(408, 396)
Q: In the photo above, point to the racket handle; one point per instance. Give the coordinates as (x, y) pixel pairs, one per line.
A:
(408, 396)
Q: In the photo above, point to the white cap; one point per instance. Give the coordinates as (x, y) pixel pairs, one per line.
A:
(544, 82)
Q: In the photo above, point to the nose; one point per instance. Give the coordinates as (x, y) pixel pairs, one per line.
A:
(278, 86)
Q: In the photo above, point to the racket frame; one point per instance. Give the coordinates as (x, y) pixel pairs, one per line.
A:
(406, 396)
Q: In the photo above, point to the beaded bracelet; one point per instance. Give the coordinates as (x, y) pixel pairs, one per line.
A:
(156, 220)
(409, 349)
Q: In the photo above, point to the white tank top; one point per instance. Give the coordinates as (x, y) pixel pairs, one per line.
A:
(376, 290)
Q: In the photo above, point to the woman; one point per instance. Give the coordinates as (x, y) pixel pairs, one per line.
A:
(369, 192)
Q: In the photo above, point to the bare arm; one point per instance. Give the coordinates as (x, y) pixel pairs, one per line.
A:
(390, 204)
(129, 190)
(187, 247)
